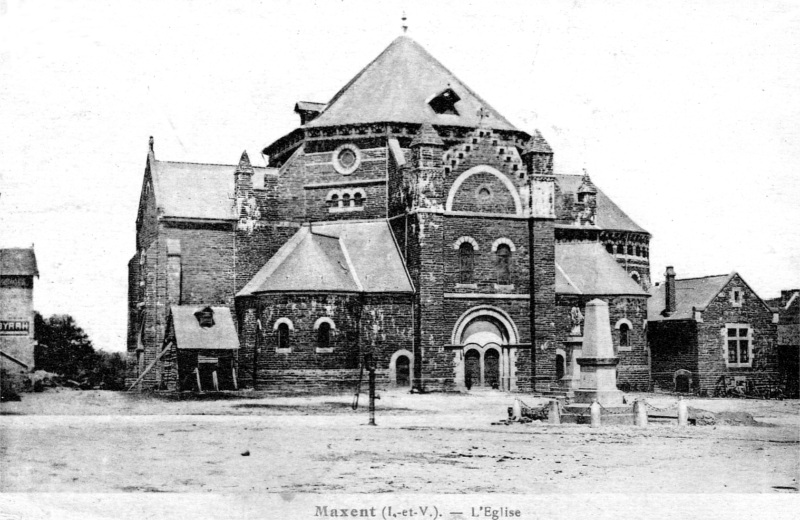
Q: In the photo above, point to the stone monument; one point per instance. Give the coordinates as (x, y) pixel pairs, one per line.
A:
(598, 363)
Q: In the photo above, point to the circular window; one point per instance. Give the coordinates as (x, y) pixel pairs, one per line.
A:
(346, 159)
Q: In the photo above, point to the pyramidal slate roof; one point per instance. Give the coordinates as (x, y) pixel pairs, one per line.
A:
(396, 88)
(18, 262)
(609, 215)
(587, 269)
(335, 257)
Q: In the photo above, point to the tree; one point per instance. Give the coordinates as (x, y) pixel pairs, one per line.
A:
(64, 348)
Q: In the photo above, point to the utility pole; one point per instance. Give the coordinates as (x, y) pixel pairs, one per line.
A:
(370, 365)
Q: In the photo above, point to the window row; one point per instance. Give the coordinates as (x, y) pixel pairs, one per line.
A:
(629, 249)
(467, 248)
(323, 326)
(346, 200)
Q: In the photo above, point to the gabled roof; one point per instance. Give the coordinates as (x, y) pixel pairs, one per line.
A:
(397, 86)
(195, 190)
(18, 262)
(690, 294)
(190, 335)
(609, 215)
(335, 257)
(587, 269)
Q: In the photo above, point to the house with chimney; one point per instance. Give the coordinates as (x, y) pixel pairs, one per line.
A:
(404, 221)
(708, 332)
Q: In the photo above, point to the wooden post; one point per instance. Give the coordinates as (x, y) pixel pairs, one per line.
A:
(372, 396)
(215, 380)
(235, 382)
(197, 373)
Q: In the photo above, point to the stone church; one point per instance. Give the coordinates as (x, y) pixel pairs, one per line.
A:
(405, 221)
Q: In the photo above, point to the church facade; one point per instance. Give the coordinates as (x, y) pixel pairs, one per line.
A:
(404, 222)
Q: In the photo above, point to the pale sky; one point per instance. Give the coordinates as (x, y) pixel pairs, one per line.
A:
(686, 113)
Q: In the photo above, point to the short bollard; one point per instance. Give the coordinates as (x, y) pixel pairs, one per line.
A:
(554, 417)
(640, 412)
(516, 410)
(595, 410)
(683, 412)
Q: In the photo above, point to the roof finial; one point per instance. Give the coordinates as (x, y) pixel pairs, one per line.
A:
(150, 142)
(405, 25)
(482, 114)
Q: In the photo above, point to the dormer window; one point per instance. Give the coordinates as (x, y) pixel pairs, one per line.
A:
(205, 317)
(445, 102)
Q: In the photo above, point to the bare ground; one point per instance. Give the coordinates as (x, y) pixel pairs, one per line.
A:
(71, 441)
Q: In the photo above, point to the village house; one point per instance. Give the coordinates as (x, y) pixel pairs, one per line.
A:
(17, 271)
(711, 334)
(405, 220)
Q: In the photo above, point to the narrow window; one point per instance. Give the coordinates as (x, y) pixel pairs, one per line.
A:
(466, 256)
(346, 200)
(333, 202)
(503, 259)
(358, 200)
(283, 336)
(638, 251)
(620, 249)
(630, 250)
(610, 248)
(324, 335)
(624, 335)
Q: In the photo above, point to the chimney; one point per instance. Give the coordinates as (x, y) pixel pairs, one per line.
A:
(669, 289)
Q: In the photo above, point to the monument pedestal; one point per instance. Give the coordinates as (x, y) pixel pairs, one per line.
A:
(598, 381)
(572, 375)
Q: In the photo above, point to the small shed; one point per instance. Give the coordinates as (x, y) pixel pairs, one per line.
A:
(204, 344)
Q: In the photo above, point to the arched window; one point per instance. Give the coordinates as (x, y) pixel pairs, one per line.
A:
(624, 335)
(503, 264)
(466, 256)
(610, 248)
(346, 200)
(638, 251)
(635, 277)
(620, 249)
(324, 335)
(333, 202)
(283, 336)
(630, 249)
(358, 200)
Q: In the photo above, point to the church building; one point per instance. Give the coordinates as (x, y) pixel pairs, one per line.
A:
(406, 222)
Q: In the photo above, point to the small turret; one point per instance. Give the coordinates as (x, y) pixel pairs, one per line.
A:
(587, 197)
(426, 166)
(244, 177)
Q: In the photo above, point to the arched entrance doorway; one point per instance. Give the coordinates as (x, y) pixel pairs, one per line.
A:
(485, 339)
(403, 371)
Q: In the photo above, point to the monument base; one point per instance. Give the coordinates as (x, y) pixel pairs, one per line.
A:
(607, 398)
